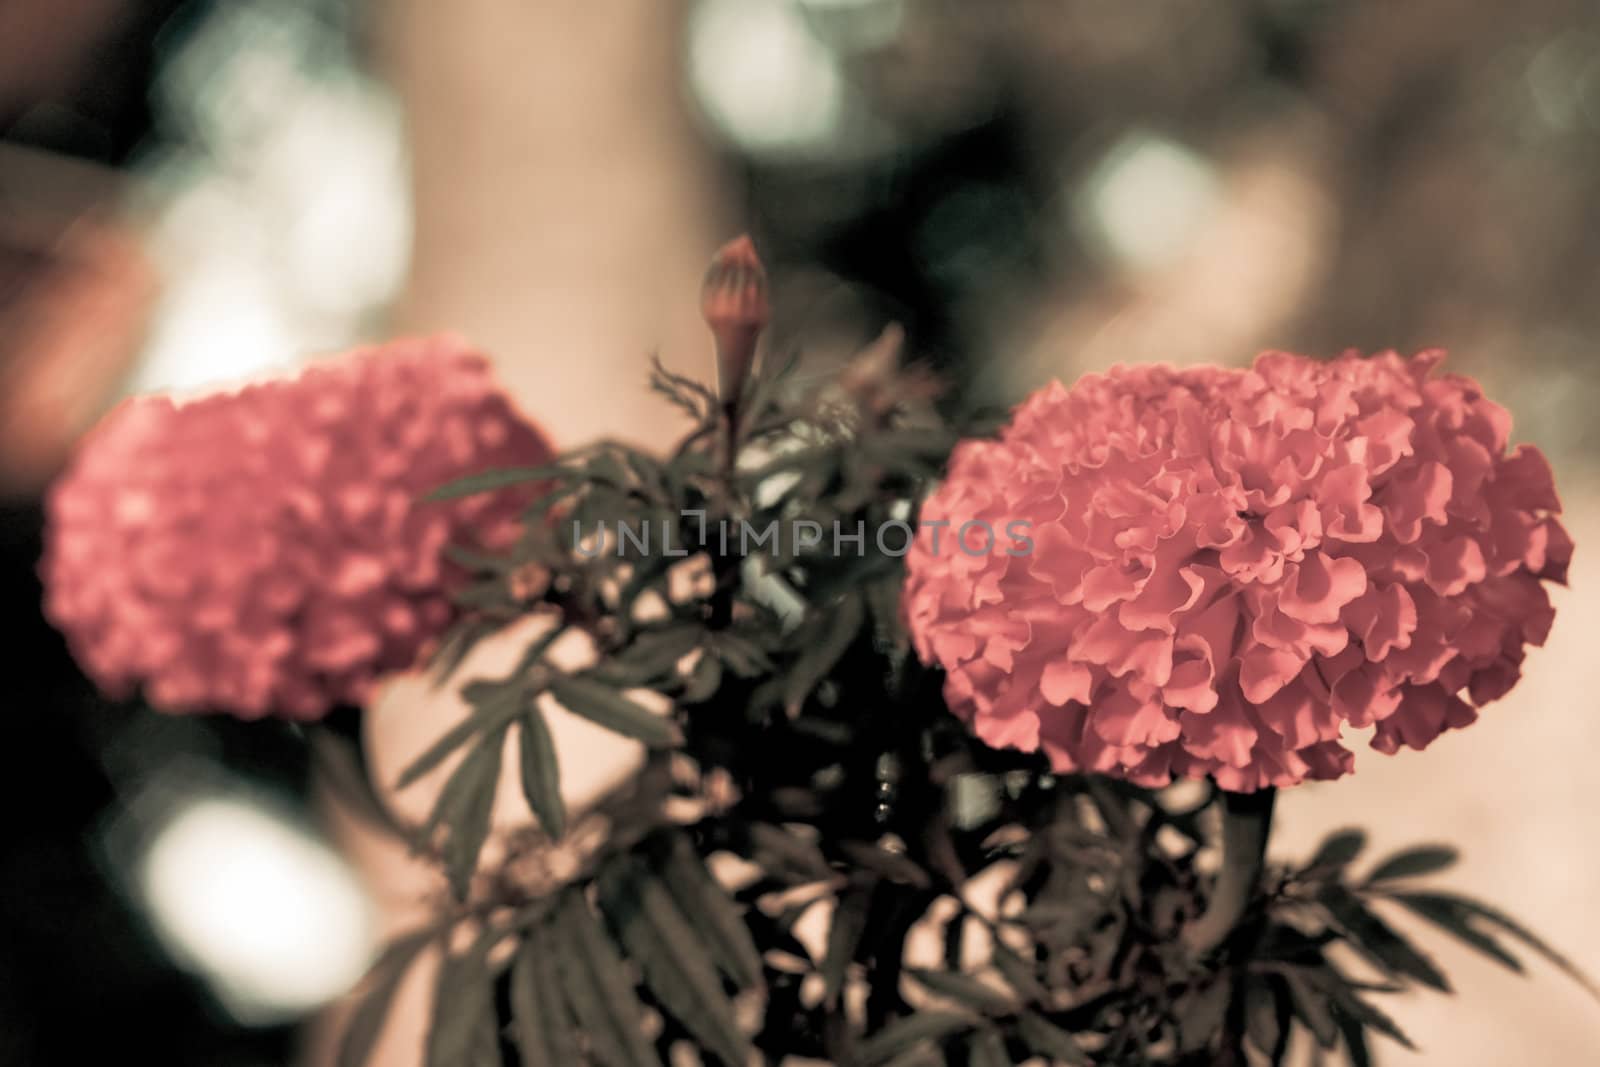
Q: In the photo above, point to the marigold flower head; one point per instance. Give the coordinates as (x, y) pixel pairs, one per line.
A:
(1230, 566)
(266, 550)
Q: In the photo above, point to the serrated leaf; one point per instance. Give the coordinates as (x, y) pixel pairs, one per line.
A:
(1312, 1005)
(969, 989)
(1442, 912)
(903, 1034)
(837, 629)
(844, 935)
(1355, 1040)
(541, 772)
(464, 809)
(598, 988)
(1350, 1006)
(463, 1031)
(366, 1022)
(710, 910)
(1436, 907)
(459, 640)
(1023, 974)
(1338, 849)
(606, 467)
(1378, 940)
(1200, 1015)
(894, 866)
(919, 1056)
(470, 559)
(742, 656)
(988, 1049)
(539, 1014)
(650, 655)
(1047, 1039)
(548, 500)
(493, 705)
(704, 680)
(1414, 862)
(667, 949)
(1267, 1017)
(605, 706)
(492, 596)
(786, 855)
(495, 478)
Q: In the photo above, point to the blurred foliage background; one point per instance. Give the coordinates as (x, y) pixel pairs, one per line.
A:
(193, 191)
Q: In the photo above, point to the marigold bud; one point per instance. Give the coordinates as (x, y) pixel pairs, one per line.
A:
(733, 301)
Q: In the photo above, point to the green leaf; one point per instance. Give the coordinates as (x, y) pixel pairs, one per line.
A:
(1313, 1005)
(1443, 912)
(895, 866)
(1414, 862)
(607, 467)
(473, 560)
(709, 910)
(1049, 1040)
(741, 655)
(459, 640)
(650, 655)
(493, 704)
(495, 478)
(905, 1033)
(547, 501)
(823, 646)
(1200, 1015)
(988, 1049)
(1355, 1040)
(541, 772)
(1351, 1007)
(783, 854)
(1267, 1017)
(1379, 941)
(605, 706)
(969, 989)
(598, 988)
(464, 809)
(672, 956)
(1338, 849)
(485, 593)
(464, 1031)
(539, 1015)
(704, 680)
(844, 935)
(1455, 915)
(1021, 973)
(366, 1022)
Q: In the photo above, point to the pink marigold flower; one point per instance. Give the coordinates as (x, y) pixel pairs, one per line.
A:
(265, 550)
(1228, 566)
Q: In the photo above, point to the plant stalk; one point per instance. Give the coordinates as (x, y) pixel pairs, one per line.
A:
(1246, 822)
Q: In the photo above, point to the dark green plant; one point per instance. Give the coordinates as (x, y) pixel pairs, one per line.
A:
(804, 739)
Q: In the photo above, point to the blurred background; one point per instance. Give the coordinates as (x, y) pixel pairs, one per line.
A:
(194, 191)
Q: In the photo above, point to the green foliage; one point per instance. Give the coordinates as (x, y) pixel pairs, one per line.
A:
(802, 739)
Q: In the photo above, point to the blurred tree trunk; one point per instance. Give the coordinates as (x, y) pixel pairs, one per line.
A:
(565, 209)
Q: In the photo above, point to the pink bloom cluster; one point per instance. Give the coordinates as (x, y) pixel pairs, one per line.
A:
(266, 551)
(1229, 566)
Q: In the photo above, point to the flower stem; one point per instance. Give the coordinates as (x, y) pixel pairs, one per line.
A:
(1246, 822)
